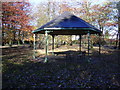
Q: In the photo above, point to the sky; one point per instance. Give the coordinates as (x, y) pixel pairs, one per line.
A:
(94, 1)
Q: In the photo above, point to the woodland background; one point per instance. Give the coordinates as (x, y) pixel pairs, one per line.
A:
(20, 18)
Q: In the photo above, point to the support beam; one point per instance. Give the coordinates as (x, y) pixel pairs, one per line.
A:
(99, 44)
(116, 41)
(34, 46)
(80, 43)
(46, 46)
(53, 44)
(88, 43)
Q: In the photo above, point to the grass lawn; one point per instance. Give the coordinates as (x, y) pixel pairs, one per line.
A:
(19, 70)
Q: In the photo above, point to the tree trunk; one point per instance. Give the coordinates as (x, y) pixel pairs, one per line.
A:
(23, 37)
(14, 36)
(71, 40)
(19, 37)
(3, 40)
(10, 43)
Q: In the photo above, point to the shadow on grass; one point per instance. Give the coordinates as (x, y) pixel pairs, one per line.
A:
(73, 71)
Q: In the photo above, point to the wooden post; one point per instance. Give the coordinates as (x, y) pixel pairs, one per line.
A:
(53, 44)
(80, 43)
(99, 44)
(46, 46)
(116, 41)
(88, 43)
(34, 46)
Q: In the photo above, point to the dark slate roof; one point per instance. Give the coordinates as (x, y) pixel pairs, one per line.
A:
(67, 24)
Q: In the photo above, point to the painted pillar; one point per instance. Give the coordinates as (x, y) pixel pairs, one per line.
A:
(99, 44)
(88, 43)
(34, 46)
(46, 46)
(80, 43)
(53, 44)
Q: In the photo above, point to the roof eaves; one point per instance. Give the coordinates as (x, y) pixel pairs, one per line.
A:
(93, 29)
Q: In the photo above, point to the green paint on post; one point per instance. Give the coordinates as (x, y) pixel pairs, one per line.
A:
(80, 37)
(99, 44)
(46, 47)
(53, 44)
(34, 47)
(88, 43)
